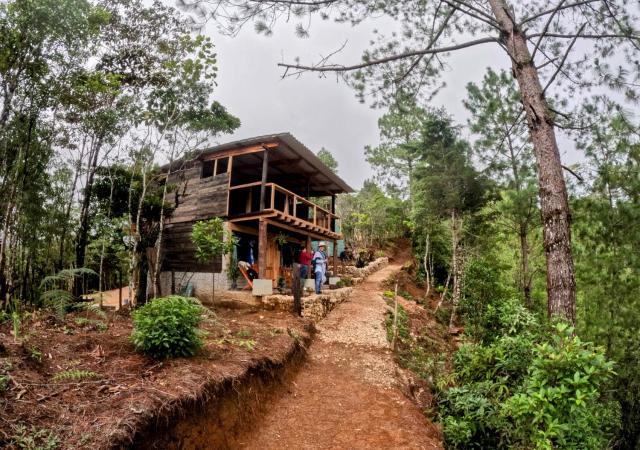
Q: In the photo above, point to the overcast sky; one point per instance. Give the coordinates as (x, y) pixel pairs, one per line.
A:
(323, 112)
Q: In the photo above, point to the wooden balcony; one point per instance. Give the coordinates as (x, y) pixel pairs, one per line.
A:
(283, 206)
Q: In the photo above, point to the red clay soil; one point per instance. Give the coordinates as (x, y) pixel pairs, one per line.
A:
(348, 394)
(128, 391)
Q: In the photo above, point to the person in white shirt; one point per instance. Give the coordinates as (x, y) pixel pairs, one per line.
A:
(320, 266)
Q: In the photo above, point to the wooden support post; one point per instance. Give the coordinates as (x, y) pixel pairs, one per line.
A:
(332, 225)
(265, 169)
(296, 288)
(262, 249)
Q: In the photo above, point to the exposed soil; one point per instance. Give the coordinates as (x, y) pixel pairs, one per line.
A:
(347, 394)
(128, 392)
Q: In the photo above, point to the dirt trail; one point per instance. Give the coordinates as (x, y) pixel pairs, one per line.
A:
(346, 394)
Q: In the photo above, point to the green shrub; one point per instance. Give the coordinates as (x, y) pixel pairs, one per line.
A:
(526, 390)
(483, 296)
(560, 404)
(168, 327)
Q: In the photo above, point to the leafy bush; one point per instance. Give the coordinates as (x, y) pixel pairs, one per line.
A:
(526, 390)
(483, 295)
(345, 281)
(168, 327)
(560, 404)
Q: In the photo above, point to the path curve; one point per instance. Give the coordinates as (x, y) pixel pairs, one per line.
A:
(346, 395)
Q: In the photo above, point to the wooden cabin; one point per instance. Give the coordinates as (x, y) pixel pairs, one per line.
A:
(274, 194)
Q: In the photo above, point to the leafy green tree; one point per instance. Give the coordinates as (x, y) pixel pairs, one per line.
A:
(504, 148)
(328, 159)
(212, 241)
(447, 188)
(370, 217)
(607, 243)
(397, 156)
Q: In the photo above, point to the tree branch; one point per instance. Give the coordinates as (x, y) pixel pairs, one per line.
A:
(481, 15)
(580, 179)
(588, 36)
(555, 10)
(546, 28)
(564, 58)
(408, 54)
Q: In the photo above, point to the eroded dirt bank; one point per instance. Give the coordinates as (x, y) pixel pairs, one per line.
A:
(223, 410)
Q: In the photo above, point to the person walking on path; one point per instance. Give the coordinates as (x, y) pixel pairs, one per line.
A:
(320, 266)
(305, 261)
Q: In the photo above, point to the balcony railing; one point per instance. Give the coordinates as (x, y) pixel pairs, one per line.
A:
(288, 206)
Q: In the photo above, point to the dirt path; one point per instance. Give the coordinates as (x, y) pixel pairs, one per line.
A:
(346, 395)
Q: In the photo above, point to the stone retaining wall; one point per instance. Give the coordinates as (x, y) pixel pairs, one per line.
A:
(314, 306)
(317, 306)
(364, 272)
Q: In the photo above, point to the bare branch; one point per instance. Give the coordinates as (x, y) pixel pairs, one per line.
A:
(555, 10)
(481, 16)
(588, 36)
(580, 179)
(564, 58)
(546, 28)
(428, 51)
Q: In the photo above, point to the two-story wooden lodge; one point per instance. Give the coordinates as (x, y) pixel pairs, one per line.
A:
(268, 190)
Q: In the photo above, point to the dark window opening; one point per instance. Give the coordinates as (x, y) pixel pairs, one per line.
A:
(223, 164)
(207, 169)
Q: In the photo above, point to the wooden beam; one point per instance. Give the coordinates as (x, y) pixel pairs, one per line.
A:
(241, 151)
(265, 214)
(243, 229)
(265, 169)
(295, 230)
(262, 249)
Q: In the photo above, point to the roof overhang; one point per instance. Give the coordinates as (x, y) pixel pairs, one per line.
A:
(286, 148)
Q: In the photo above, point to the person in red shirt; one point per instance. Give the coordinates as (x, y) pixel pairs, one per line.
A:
(305, 261)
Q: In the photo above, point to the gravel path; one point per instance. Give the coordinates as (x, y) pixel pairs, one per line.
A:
(346, 395)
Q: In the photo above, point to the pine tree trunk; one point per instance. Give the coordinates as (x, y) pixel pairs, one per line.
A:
(554, 205)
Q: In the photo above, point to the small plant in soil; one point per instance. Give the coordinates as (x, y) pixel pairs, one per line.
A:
(34, 353)
(89, 323)
(34, 438)
(275, 332)
(244, 333)
(4, 383)
(168, 327)
(75, 375)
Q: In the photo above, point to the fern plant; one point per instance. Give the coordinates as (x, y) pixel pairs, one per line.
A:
(56, 293)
